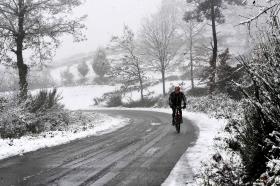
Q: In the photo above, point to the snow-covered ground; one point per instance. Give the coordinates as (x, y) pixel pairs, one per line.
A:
(98, 126)
(82, 97)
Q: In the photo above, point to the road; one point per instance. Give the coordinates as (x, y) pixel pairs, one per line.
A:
(142, 153)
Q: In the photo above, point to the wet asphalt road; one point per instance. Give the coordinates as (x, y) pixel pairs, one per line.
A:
(142, 153)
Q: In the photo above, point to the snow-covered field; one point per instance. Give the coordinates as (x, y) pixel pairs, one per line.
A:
(82, 97)
(98, 126)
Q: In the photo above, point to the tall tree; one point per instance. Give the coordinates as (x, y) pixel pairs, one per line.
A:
(83, 70)
(34, 26)
(130, 70)
(161, 41)
(211, 10)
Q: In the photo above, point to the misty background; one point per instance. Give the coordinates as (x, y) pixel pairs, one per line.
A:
(104, 19)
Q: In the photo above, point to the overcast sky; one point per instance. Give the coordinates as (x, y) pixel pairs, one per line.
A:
(106, 18)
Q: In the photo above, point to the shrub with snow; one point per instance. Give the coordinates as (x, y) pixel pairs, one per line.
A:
(219, 106)
(255, 136)
(41, 112)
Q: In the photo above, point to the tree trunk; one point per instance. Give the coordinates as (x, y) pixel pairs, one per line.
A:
(22, 72)
(22, 68)
(191, 56)
(163, 81)
(141, 89)
(141, 84)
(215, 51)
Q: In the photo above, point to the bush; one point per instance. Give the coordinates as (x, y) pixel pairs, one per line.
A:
(222, 172)
(219, 106)
(43, 101)
(255, 135)
(53, 119)
(197, 92)
(3, 102)
(101, 80)
(41, 112)
(147, 102)
(12, 125)
(258, 130)
(114, 100)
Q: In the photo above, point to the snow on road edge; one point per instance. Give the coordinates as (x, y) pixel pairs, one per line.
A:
(202, 149)
(103, 125)
(189, 163)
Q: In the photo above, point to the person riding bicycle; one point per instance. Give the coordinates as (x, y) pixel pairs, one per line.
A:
(175, 100)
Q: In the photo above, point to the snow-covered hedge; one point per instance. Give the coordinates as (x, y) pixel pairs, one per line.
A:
(254, 137)
(218, 106)
(40, 112)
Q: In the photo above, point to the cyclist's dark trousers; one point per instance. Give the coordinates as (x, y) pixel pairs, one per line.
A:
(174, 112)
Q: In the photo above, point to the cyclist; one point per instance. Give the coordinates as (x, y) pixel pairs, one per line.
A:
(175, 100)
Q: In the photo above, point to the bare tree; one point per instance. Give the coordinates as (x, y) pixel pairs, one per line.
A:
(34, 26)
(191, 29)
(160, 41)
(130, 70)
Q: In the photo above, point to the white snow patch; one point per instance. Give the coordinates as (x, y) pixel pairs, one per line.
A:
(102, 125)
(155, 124)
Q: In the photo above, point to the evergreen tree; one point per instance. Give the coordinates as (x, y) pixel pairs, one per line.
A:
(100, 64)
(83, 70)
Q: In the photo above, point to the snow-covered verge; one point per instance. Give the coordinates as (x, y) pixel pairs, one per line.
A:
(190, 162)
(94, 125)
(194, 156)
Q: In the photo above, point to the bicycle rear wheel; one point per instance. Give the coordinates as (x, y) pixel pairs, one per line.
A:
(177, 126)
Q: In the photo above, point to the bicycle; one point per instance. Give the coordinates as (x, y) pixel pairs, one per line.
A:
(178, 119)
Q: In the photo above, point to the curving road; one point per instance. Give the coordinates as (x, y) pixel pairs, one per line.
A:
(142, 153)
